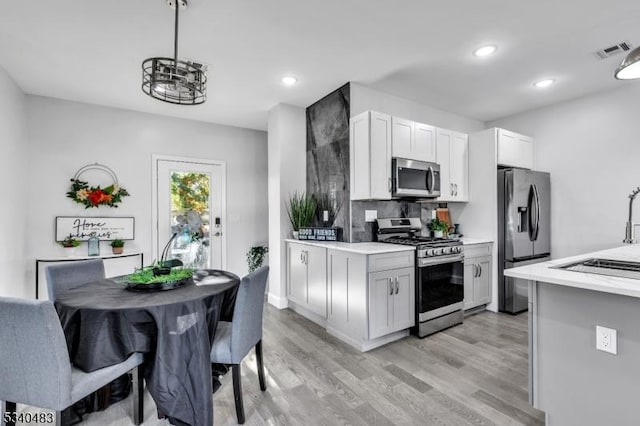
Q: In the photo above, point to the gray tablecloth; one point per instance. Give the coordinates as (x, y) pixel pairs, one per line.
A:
(104, 324)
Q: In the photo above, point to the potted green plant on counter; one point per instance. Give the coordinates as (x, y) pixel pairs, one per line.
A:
(301, 210)
(255, 257)
(439, 228)
(117, 246)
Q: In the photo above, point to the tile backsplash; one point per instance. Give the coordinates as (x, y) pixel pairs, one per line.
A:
(362, 231)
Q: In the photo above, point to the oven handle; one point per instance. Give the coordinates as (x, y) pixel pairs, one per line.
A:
(440, 260)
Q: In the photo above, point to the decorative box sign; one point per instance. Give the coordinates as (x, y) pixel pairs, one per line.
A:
(320, 234)
(105, 228)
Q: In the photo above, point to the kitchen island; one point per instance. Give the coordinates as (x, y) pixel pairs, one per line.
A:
(572, 381)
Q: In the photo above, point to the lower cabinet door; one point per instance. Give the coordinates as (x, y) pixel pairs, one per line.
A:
(380, 303)
(404, 297)
(317, 279)
(297, 273)
(482, 283)
(470, 269)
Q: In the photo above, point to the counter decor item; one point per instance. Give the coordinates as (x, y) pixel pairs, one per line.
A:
(93, 245)
(301, 210)
(69, 242)
(255, 257)
(117, 246)
(320, 234)
(94, 196)
(439, 228)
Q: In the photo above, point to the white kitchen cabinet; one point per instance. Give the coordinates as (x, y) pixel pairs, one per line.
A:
(371, 298)
(370, 156)
(514, 149)
(477, 275)
(452, 153)
(412, 140)
(307, 277)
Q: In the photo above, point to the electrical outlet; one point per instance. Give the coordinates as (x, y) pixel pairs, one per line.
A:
(370, 215)
(606, 340)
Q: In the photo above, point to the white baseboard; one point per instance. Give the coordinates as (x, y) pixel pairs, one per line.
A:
(277, 301)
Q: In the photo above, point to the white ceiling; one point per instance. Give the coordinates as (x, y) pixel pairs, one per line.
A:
(91, 51)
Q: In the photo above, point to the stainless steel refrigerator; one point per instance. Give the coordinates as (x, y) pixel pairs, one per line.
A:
(524, 235)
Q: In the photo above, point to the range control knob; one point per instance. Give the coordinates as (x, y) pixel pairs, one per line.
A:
(431, 252)
(446, 250)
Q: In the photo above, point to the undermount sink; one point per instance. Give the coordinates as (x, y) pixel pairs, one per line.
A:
(612, 268)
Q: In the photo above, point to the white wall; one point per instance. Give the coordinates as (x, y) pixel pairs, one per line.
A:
(287, 174)
(64, 136)
(591, 147)
(365, 98)
(15, 179)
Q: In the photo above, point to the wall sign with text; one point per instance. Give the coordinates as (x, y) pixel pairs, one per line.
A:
(105, 228)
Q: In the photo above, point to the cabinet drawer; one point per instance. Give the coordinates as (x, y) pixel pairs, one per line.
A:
(477, 250)
(385, 261)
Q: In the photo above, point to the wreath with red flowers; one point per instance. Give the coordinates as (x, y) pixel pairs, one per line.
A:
(95, 196)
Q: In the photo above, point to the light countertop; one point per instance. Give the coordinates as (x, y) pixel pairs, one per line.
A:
(614, 285)
(361, 248)
(470, 241)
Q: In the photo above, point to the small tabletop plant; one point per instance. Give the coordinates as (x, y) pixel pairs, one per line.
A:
(301, 210)
(69, 242)
(117, 246)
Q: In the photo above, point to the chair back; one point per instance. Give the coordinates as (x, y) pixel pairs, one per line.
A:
(34, 361)
(246, 326)
(65, 276)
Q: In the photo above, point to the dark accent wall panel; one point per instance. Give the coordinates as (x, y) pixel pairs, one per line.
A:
(328, 151)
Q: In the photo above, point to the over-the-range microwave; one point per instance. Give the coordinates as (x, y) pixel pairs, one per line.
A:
(412, 178)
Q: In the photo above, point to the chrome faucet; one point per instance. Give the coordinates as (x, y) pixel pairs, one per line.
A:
(629, 237)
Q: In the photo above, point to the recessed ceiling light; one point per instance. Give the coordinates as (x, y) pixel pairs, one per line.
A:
(485, 50)
(542, 84)
(289, 80)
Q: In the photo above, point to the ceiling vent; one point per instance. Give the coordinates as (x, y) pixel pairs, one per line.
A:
(613, 50)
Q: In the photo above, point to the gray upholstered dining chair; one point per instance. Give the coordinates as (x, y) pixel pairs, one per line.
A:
(35, 368)
(234, 339)
(65, 276)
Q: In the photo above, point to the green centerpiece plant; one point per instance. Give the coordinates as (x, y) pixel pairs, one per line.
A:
(146, 275)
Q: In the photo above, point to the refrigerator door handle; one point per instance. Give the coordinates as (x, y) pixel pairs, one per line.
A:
(537, 222)
(530, 208)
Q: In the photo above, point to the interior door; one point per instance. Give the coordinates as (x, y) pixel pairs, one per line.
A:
(517, 196)
(189, 208)
(542, 244)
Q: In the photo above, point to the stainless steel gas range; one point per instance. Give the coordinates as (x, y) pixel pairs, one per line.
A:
(439, 274)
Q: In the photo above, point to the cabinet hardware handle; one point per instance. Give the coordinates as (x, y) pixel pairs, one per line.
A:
(390, 286)
(302, 256)
(475, 270)
(480, 272)
(397, 286)
(389, 184)
(455, 185)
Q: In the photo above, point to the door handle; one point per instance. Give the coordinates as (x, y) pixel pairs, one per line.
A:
(217, 234)
(537, 222)
(430, 180)
(397, 286)
(530, 208)
(390, 286)
(475, 270)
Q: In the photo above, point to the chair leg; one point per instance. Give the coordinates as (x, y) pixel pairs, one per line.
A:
(9, 409)
(237, 392)
(263, 385)
(138, 395)
(63, 418)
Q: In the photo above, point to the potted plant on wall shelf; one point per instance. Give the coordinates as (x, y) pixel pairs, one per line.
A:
(301, 210)
(69, 242)
(117, 246)
(439, 228)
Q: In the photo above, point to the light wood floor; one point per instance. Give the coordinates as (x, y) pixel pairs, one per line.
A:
(474, 373)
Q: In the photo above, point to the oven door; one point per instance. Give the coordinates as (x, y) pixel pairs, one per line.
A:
(439, 286)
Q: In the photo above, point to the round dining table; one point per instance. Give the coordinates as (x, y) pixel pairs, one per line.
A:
(104, 323)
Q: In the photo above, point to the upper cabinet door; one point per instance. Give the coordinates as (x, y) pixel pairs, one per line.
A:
(514, 150)
(443, 153)
(402, 138)
(425, 142)
(459, 160)
(359, 133)
(380, 156)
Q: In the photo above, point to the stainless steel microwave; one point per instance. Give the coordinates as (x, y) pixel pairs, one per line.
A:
(412, 178)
